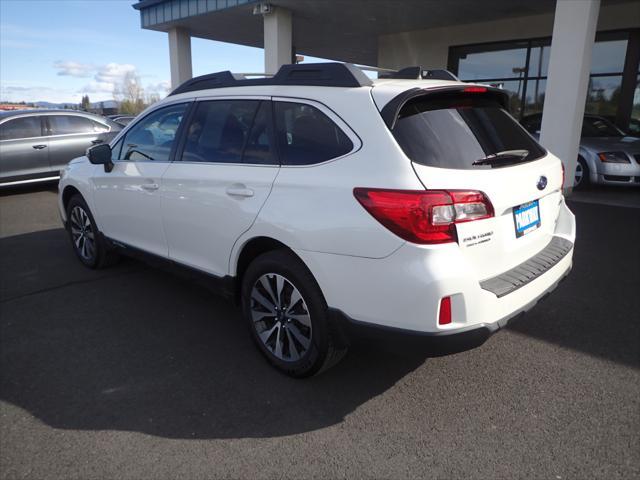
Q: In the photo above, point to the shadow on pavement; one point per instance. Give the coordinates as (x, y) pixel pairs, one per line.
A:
(136, 349)
(596, 309)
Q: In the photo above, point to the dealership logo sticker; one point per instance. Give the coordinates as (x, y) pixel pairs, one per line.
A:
(542, 183)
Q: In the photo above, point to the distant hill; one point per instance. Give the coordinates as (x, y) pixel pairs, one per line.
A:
(105, 104)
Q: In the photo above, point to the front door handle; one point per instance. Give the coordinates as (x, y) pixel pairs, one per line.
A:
(39, 147)
(150, 186)
(239, 191)
(96, 142)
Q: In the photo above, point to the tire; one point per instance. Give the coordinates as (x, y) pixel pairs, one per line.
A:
(88, 243)
(276, 285)
(582, 179)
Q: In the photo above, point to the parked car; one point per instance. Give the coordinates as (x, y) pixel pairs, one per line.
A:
(607, 156)
(36, 144)
(320, 198)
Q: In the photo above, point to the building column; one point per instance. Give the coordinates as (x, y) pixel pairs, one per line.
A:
(179, 56)
(574, 29)
(278, 39)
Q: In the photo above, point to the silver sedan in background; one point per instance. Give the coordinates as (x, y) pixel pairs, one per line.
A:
(607, 156)
(36, 144)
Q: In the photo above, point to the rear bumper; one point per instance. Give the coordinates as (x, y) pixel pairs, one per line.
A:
(402, 292)
(454, 337)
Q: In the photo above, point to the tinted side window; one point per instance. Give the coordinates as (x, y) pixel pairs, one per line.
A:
(258, 149)
(218, 131)
(25, 127)
(69, 124)
(152, 137)
(306, 136)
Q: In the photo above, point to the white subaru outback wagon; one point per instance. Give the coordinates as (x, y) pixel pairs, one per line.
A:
(319, 198)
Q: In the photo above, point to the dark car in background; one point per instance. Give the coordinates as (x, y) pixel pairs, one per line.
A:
(36, 144)
(607, 155)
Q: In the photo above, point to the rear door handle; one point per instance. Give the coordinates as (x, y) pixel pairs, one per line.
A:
(150, 186)
(239, 191)
(39, 147)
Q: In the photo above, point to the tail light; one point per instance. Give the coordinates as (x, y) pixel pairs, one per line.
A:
(424, 216)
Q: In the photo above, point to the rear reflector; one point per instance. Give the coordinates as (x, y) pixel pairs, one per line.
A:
(424, 216)
(444, 317)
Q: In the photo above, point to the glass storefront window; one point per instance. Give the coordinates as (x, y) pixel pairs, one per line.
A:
(534, 99)
(603, 95)
(608, 57)
(505, 65)
(514, 89)
(494, 64)
(539, 60)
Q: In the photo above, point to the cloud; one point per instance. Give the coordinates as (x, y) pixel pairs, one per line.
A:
(97, 87)
(114, 72)
(74, 69)
(108, 77)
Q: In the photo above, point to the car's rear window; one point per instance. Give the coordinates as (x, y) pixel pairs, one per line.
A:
(457, 130)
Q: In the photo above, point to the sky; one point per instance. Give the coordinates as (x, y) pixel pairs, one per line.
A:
(59, 50)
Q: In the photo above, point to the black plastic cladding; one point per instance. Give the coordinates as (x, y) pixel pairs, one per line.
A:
(308, 74)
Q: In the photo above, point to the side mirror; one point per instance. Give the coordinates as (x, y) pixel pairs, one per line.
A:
(101, 155)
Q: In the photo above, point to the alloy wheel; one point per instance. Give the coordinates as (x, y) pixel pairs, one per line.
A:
(281, 317)
(82, 233)
(579, 174)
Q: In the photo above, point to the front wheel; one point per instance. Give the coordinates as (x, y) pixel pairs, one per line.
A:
(582, 178)
(87, 241)
(287, 315)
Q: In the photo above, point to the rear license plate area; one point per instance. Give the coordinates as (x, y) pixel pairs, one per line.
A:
(526, 218)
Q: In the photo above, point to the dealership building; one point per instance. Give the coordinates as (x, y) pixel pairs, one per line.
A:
(562, 58)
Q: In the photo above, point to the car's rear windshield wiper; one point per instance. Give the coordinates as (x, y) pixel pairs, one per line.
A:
(506, 156)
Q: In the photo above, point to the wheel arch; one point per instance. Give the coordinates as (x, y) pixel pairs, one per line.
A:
(591, 160)
(68, 192)
(249, 251)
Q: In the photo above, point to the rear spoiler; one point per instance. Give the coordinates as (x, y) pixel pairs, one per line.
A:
(391, 110)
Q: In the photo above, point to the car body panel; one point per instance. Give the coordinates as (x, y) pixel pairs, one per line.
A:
(127, 201)
(491, 245)
(207, 207)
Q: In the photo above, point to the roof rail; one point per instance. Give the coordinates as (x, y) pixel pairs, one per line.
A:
(418, 73)
(312, 74)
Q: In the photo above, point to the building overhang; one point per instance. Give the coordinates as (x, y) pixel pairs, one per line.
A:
(336, 29)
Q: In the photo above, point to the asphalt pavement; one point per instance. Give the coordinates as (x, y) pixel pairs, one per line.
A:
(132, 372)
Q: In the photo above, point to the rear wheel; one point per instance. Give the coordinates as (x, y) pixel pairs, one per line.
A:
(287, 315)
(582, 179)
(87, 241)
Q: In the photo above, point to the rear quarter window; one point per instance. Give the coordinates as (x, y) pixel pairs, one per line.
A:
(306, 136)
(455, 130)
